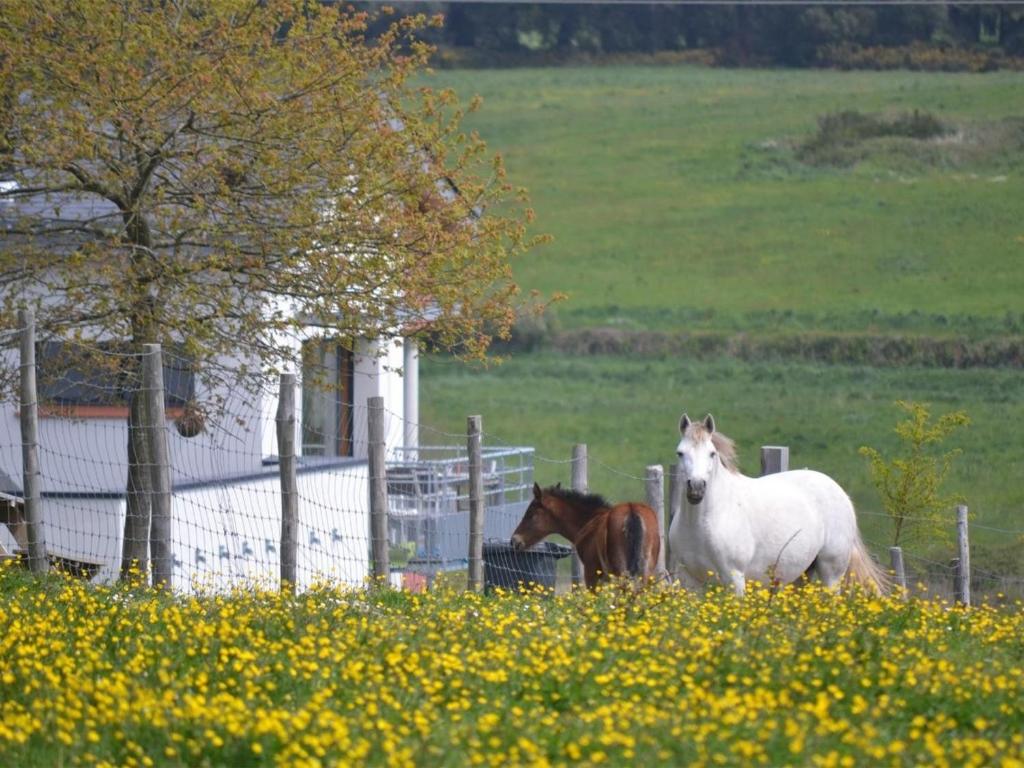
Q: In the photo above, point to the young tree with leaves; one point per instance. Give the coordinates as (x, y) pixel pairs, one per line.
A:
(218, 175)
(910, 482)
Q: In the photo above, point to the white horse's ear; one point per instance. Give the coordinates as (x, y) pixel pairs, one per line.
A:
(536, 491)
(709, 423)
(684, 424)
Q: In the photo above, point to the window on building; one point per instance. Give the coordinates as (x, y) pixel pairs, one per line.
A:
(327, 370)
(98, 380)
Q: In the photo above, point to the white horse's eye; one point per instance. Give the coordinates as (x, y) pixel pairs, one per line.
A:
(713, 454)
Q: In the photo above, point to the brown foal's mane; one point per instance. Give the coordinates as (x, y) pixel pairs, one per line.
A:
(590, 503)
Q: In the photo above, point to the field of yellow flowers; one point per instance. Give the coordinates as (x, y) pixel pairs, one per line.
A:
(97, 676)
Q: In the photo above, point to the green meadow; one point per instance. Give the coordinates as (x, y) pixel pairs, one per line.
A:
(679, 199)
(669, 190)
(627, 411)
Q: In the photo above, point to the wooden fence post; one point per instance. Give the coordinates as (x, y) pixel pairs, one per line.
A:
(285, 422)
(774, 458)
(474, 428)
(38, 562)
(656, 501)
(580, 483)
(160, 553)
(963, 572)
(378, 491)
(896, 559)
(675, 505)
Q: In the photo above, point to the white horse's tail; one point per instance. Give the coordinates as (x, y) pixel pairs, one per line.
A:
(865, 571)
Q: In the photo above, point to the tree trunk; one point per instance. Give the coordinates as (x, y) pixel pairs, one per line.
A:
(135, 553)
(138, 511)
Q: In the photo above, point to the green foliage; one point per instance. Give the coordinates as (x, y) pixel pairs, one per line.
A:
(887, 36)
(910, 483)
(225, 174)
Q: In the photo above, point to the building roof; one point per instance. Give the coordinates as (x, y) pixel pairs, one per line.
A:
(10, 489)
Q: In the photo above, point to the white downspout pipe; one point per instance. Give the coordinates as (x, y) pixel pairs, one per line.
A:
(411, 396)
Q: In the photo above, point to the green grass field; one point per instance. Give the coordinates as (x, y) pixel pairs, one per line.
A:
(673, 197)
(677, 203)
(627, 412)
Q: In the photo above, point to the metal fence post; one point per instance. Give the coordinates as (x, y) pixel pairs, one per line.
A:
(378, 491)
(29, 413)
(285, 421)
(160, 553)
(774, 458)
(579, 483)
(474, 429)
(656, 501)
(963, 573)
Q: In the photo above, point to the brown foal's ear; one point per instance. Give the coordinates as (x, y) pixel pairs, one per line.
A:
(709, 423)
(536, 491)
(684, 424)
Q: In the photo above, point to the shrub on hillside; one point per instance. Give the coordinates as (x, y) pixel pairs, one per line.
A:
(918, 56)
(840, 136)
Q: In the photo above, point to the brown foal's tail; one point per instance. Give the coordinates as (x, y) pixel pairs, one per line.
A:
(863, 570)
(635, 544)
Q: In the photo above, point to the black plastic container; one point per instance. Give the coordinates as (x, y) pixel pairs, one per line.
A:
(512, 569)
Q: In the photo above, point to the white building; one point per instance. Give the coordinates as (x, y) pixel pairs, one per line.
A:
(226, 515)
(226, 509)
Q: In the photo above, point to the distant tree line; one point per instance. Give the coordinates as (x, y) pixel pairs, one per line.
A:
(741, 35)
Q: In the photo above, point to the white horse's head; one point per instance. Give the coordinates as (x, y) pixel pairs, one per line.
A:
(698, 456)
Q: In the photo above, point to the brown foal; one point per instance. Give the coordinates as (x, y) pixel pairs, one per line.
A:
(619, 540)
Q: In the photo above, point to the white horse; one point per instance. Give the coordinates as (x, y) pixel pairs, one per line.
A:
(774, 528)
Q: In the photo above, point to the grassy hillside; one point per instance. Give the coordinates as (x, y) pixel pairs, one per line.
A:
(680, 200)
(676, 200)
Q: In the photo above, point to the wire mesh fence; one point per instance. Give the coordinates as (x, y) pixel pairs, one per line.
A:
(98, 476)
(429, 506)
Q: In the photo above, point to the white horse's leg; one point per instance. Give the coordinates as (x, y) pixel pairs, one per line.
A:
(831, 572)
(685, 580)
(738, 581)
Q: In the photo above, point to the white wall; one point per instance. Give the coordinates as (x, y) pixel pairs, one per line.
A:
(90, 455)
(88, 530)
(377, 374)
(229, 534)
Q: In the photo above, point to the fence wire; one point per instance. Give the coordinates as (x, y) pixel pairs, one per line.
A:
(225, 479)
(224, 471)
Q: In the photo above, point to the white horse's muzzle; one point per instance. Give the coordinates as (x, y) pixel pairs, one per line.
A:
(695, 490)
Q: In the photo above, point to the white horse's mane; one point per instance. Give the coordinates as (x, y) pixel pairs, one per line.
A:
(725, 445)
